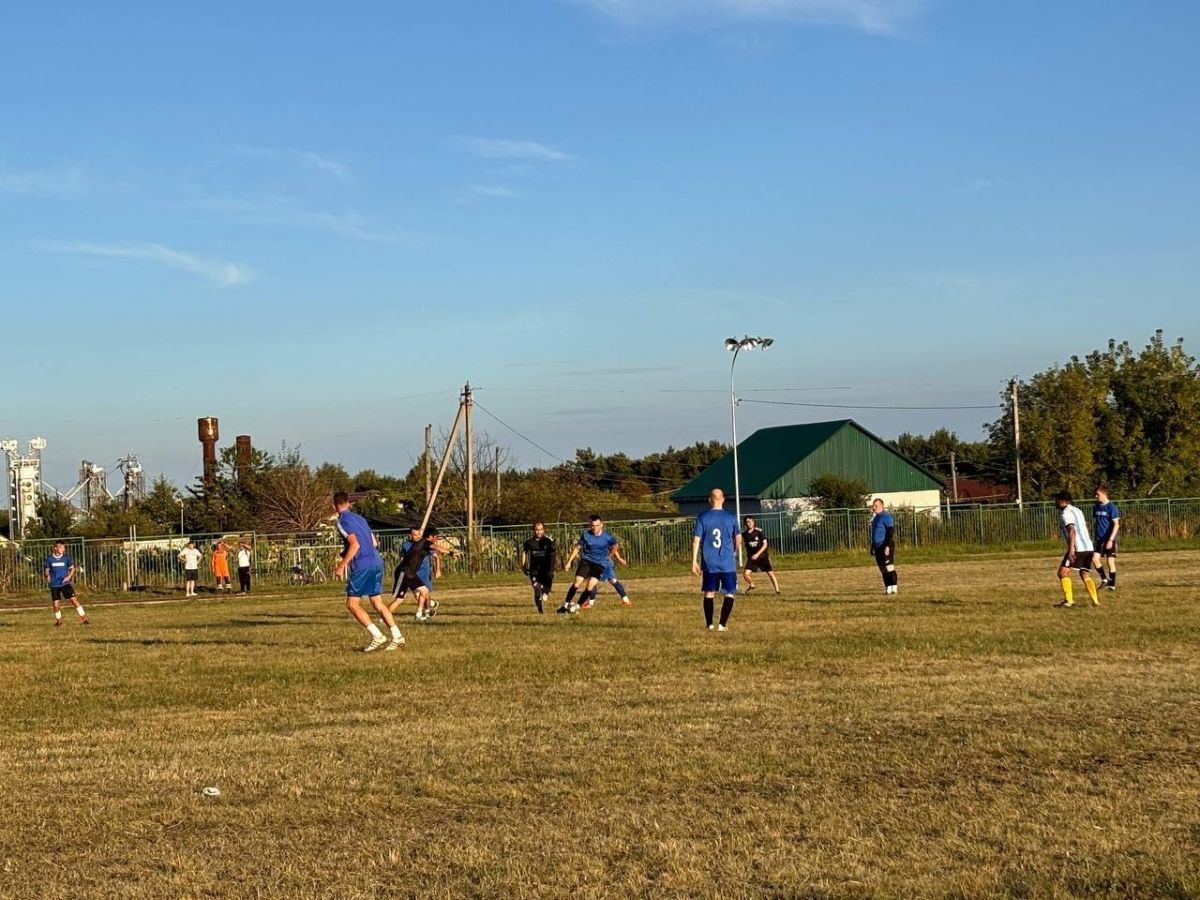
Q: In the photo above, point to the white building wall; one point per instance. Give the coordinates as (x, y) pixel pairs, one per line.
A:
(921, 501)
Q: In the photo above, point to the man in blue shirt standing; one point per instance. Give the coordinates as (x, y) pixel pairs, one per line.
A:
(1106, 523)
(883, 545)
(715, 544)
(59, 570)
(595, 547)
(360, 557)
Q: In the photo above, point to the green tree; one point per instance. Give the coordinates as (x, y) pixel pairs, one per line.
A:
(835, 492)
(55, 517)
(161, 505)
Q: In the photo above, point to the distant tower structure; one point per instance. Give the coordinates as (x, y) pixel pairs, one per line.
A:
(92, 486)
(24, 484)
(135, 481)
(209, 433)
(243, 454)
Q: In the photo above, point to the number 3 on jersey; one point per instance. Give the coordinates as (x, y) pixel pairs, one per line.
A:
(716, 539)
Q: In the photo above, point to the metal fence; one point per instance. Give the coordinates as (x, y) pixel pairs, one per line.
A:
(115, 564)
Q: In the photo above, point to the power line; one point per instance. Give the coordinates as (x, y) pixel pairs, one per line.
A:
(848, 406)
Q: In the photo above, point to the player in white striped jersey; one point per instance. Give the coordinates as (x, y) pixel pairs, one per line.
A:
(1080, 555)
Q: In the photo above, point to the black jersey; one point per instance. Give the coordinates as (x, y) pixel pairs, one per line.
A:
(540, 553)
(414, 556)
(754, 539)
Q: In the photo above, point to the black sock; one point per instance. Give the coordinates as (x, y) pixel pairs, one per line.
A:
(708, 611)
(570, 595)
(893, 578)
(1112, 579)
(537, 596)
(726, 609)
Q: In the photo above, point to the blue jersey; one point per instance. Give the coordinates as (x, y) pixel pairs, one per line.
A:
(351, 523)
(595, 548)
(1103, 516)
(59, 566)
(879, 528)
(717, 530)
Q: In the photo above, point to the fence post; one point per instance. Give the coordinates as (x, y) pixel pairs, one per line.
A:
(849, 532)
(1170, 524)
(982, 539)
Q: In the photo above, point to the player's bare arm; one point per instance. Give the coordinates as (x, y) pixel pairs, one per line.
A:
(344, 560)
(696, 554)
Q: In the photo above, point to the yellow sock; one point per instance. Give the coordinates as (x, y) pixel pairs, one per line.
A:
(1091, 589)
(1068, 590)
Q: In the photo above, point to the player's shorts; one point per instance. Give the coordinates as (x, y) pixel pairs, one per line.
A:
(409, 583)
(191, 574)
(881, 560)
(65, 592)
(589, 570)
(365, 582)
(725, 582)
(1084, 561)
(545, 580)
(762, 564)
(1106, 553)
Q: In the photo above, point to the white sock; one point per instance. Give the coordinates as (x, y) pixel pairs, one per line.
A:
(79, 609)
(395, 633)
(57, 615)
(375, 632)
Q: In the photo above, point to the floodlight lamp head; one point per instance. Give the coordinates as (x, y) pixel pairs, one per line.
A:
(38, 444)
(8, 446)
(731, 343)
(766, 342)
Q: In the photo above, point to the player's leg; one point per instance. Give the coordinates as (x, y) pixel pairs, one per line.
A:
(1068, 587)
(774, 580)
(749, 575)
(729, 589)
(569, 601)
(882, 563)
(1110, 562)
(536, 586)
(1085, 575)
(56, 605)
(363, 618)
(589, 593)
(69, 593)
(397, 640)
(621, 592)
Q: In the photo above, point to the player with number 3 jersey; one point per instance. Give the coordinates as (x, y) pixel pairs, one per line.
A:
(715, 543)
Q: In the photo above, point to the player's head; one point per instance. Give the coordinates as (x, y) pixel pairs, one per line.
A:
(597, 524)
(415, 532)
(716, 498)
(341, 501)
(1062, 499)
(59, 548)
(878, 506)
(539, 529)
(192, 544)
(431, 532)
(749, 522)
(1102, 493)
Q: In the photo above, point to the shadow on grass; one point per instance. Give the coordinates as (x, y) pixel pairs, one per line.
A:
(165, 642)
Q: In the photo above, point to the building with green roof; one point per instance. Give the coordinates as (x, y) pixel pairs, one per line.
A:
(777, 465)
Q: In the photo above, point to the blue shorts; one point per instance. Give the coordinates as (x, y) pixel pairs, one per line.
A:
(725, 582)
(365, 582)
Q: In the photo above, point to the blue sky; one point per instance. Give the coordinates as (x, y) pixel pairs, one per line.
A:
(317, 221)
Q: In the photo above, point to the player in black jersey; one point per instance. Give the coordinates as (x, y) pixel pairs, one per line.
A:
(758, 555)
(537, 561)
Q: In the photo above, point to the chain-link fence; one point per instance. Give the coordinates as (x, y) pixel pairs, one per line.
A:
(115, 564)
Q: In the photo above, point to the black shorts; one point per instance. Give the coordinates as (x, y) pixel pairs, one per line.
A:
(191, 574)
(409, 583)
(1107, 554)
(762, 564)
(1084, 561)
(881, 560)
(66, 592)
(589, 570)
(543, 579)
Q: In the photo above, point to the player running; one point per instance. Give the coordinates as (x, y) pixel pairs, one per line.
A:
(1106, 522)
(594, 548)
(609, 576)
(883, 545)
(537, 562)
(715, 544)
(758, 555)
(361, 558)
(1080, 555)
(419, 566)
(59, 570)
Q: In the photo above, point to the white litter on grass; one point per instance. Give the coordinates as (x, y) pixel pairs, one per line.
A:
(211, 792)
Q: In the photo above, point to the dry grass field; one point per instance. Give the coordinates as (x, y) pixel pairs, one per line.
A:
(964, 739)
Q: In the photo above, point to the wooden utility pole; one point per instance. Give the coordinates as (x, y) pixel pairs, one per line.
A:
(428, 464)
(1016, 409)
(467, 403)
(437, 485)
(954, 476)
(497, 479)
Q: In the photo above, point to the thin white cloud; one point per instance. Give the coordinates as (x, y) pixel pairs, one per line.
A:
(217, 271)
(42, 182)
(346, 224)
(875, 16)
(305, 159)
(504, 149)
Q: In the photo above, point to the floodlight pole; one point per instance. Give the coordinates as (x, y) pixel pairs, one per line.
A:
(737, 482)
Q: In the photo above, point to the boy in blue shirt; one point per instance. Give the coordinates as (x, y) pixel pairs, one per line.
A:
(360, 557)
(1106, 524)
(594, 548)
(59, 570)
(716, 541)
(883, 545)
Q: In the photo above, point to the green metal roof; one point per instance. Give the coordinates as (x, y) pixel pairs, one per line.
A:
(780, 462)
